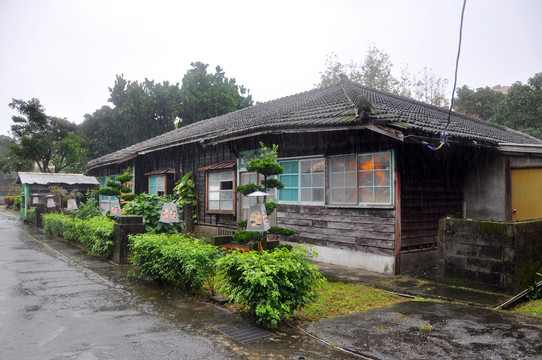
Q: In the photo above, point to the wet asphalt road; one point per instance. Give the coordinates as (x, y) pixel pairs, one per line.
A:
(57, 302)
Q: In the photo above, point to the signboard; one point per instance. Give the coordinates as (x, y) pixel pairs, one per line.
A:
(257, 218)
(72, 205)
(35, 200)
(115, 209)
(169, 213)
(51, 203)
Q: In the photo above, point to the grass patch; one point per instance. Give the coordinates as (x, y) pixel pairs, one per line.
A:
(533, 307)
(337, 298)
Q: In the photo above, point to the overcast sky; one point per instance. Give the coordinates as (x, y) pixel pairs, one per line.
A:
(66, 53)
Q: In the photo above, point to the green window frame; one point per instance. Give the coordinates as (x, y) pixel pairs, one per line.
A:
(304, 181)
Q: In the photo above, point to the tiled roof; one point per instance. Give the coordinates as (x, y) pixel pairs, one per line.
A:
(331, 106)
(48, 178)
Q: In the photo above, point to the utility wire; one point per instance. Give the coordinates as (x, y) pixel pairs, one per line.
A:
(443, 138)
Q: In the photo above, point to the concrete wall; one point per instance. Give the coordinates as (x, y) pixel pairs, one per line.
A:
(501, 256)
(485, 190)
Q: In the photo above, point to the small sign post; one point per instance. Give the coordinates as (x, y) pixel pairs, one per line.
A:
(115, 209)
(257, 217)
(72, 205)
(169, 213)
(51, 202)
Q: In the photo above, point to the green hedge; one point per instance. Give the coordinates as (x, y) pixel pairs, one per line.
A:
(183, 260)
(30, 215)
(95, 233)
(271, 285)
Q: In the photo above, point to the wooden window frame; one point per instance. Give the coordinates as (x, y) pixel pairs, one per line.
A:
(234, 194)
(149, 184)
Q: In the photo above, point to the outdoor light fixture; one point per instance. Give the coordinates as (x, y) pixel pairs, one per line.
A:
(35, 200)
(115, 209)
(51, 202)
(257, 218)
(169, 213)
(72, 205)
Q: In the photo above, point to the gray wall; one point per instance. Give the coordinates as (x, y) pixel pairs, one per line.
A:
(485, 189)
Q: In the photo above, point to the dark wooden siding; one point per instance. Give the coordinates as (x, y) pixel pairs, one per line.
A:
(431, 189)
(366, 230)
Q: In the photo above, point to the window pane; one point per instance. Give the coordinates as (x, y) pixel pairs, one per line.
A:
(214, 177)
(318, 180)
(214, 195)
(226, 175)
(306, 195)
(382, 195)
(306, 180)
(337, 196)
(160, 181)
(214, 187)
(152, 181)
(351, 195)
(337, 164)
(226, 195)
(306, 166)
(366, 195)
(226, 205)
(382, 161)
(366, 162)
(288, 195)
(290, 167)
(318, 195)
(337, 180)
(214, 205)
(289, 180)
(350, 179)
(351, 164)
(366, 178)
(318, 166)
(382, 178)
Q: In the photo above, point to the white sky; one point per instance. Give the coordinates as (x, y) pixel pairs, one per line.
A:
(66, 53)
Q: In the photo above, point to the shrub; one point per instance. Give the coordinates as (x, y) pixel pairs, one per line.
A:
(90, 208)
(271, 285)
(185, 261)
(95, 233)
(244, 236)
(9, 201)
(281, 231)
(17, 202)
(150, 208)
(535, 292)
(31, 215)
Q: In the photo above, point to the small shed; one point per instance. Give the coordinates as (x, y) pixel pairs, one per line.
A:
(35, 184)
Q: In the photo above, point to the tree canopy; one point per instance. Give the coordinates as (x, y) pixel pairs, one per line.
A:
(51, 143)
(479, 103)
(521, 108)
(205, 95)
(376, 71)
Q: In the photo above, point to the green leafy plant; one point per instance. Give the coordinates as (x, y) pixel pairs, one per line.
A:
(244, 236)
(535, 292)
(281, 231)
(187, 197)
(149, 206)
(31, 215)
(89, 208)
(95, 233)
(9, 201)
(185, 261)
(271, 285)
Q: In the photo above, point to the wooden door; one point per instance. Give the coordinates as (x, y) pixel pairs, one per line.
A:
(526, 193)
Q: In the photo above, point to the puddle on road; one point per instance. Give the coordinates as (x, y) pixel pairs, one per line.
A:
(187, 313)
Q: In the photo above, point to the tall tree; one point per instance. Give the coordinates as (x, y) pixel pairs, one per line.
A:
(206, 95)
(42, 140)
(376, 71)
(479, 103)
(521, 109)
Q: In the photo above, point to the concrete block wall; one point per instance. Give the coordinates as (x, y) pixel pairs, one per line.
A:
(499, 256)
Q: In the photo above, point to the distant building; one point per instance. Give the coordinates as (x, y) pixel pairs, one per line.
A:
(502, 89)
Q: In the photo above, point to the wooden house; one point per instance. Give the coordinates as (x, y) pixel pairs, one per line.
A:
(364, 183)
(35, 186)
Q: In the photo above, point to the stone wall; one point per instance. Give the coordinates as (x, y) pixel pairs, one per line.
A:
(499, 256)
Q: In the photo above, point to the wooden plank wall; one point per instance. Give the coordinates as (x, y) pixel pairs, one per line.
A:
(366, 230)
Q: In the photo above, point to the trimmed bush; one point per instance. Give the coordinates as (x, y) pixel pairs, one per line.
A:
(95, 233)
(182, 260)
(244, 236)
(30, 215)
(150, 208)
(271, 285)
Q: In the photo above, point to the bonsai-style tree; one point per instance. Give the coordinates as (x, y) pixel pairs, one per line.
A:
(266, 165)
(118, 188)
(187, 199)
